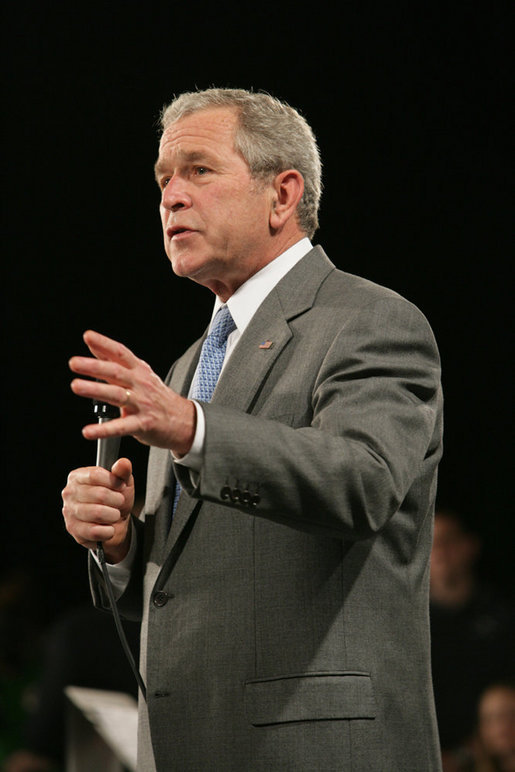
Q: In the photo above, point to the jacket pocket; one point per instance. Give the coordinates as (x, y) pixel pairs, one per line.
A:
(309, 697)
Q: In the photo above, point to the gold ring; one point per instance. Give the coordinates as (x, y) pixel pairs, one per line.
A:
(127, 397)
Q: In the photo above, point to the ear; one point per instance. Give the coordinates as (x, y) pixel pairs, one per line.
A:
(288, 187)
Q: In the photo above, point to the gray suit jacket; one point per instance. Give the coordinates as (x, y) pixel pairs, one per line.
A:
(285, 613)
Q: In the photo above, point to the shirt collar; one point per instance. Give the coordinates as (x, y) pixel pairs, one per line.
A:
(247, 298)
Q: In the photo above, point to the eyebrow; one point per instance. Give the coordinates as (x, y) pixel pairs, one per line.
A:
(192, 156)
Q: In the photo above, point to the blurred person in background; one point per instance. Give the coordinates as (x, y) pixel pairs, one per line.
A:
(495, 748)
(492, 748)
(472, 632)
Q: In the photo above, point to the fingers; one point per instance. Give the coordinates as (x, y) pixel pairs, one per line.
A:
(89, 523)
(150, 411)
(104, 392)
(95, 368)
(103, 347)
(114, 369)
(96, 476)
(117, 427)
(118, 373)
(97, 504)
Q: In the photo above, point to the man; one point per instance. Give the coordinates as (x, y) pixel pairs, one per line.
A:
(285, 610)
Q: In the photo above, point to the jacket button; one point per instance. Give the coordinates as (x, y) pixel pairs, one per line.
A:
(256, 498)
(225, 492)
(160, 599)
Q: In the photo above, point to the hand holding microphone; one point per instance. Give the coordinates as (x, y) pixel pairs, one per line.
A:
(97, 501)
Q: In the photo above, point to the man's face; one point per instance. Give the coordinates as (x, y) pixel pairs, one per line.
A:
(215, 217)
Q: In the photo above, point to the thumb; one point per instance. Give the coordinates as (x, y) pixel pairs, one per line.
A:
(122, 468)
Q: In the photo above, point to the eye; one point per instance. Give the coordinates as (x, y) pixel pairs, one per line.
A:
(163, 182)
(200, 171)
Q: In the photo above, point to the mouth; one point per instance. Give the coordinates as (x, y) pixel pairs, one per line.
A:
(176, 232)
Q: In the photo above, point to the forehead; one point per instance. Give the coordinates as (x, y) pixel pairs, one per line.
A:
(209, 130)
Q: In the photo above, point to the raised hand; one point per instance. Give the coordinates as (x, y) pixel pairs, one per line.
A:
(150, 411)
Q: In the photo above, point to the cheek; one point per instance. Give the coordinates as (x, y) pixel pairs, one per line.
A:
(249, 216)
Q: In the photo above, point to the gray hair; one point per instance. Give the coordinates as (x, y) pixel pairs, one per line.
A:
(271, 136)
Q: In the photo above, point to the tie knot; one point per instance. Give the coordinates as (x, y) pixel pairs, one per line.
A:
(222, 327)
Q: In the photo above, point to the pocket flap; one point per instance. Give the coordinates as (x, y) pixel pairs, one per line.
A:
(309, 697)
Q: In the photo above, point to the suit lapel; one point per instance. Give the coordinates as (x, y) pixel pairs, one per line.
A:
(269, 331)
(250, 362)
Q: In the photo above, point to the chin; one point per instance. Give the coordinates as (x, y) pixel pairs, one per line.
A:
(181, 265)
(188, 268)
(177, 269)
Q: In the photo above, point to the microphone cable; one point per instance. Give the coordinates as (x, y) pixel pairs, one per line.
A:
(107, 454)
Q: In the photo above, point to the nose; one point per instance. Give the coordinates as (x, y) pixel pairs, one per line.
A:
(175, 195)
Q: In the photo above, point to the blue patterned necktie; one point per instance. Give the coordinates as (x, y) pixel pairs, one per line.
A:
(212, 356)
(210, 364)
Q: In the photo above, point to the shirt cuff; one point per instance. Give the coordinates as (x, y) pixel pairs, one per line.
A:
(193, 459)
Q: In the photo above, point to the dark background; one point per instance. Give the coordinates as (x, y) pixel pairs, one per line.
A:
(409, 103)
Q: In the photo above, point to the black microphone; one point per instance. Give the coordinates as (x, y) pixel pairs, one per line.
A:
(107, 447)
(107, 454)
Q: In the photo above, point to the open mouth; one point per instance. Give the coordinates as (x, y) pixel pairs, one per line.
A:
(177, 232)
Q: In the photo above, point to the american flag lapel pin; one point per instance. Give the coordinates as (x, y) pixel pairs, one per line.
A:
(266, 344)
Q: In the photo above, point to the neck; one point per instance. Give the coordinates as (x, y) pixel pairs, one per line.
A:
(228, 285)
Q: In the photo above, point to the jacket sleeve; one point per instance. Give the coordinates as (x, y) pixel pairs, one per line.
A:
(374, 430)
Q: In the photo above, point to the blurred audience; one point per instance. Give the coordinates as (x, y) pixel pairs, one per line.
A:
(473, 634)
(44, 647)
(22, 620)
(82, 649)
